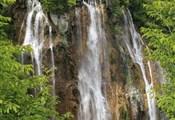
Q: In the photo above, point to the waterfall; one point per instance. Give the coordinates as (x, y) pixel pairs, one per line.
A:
(36, 25)
(52, 61)
(134, 45)
(93, 102)
(35, 32)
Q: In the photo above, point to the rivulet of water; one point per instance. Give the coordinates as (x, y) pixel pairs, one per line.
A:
(52, 60)
(134, 45)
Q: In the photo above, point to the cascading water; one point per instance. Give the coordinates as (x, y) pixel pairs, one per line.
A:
(35, 27)
(35, 33)
(134, 45)
(52, 61)
(93, 104)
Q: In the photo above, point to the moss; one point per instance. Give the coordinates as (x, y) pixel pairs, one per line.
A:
(124, 115)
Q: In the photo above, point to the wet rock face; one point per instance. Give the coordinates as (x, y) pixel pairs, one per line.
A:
(136, 104)
(124, 87)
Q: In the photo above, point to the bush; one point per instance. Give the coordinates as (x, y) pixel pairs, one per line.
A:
(57, 6)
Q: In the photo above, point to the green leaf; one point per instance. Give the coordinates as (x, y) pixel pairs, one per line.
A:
(1, 101)
(174, 47)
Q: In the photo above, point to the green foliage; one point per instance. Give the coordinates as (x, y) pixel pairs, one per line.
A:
(138, 12)
(115, 14)
(117, 6)
(4, 20)
(5, 3)
(166, 102)
(161, 35)
(57, 6)
(15, 81)
(71, 3)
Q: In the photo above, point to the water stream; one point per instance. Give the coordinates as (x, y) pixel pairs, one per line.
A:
(52, 60)
(134, 45)
(35, 32)
(36, 25)
(93, 104)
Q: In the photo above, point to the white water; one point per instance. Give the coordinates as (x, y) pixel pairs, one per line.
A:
(35, 26)
(134, 44)
(93, 104)
(35, 32)
(52, 60)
